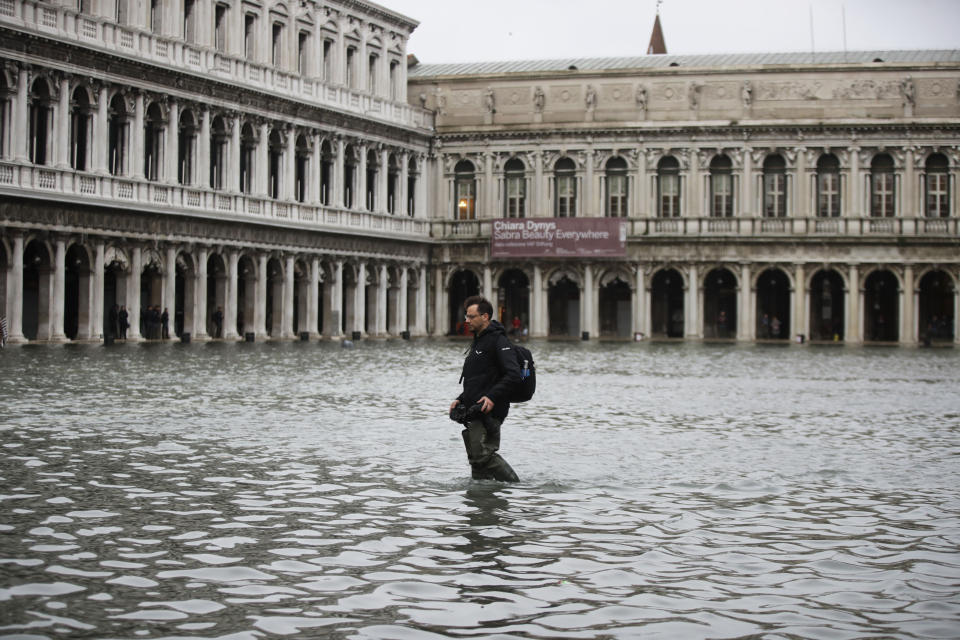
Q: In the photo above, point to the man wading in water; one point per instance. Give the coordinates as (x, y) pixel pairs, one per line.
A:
(490, 371)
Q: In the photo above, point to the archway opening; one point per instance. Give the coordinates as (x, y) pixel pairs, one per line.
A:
(274, 306)
(301, 297)
(666, 304)
(216, 294)
(615, 312)
(246, 295)
(514, 301)
(463, 284)
(773, 305)
(151, 297)
(881, 307)
(116, 316)
(827, 318)
(563, 304)
(936, 308)
(720, 304)
(76, 292)
(37, 283)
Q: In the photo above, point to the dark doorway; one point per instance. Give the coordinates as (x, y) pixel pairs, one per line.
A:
(514, 300)
(827, 318)
(773, 305)
(463, 284)
(563, 303)
(614, 305)
(881, 307)
(936, 308)
(666, 304)
(720, 304)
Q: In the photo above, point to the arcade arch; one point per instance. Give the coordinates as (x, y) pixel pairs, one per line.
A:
(720, 304)
(773, 305)
(667, 304)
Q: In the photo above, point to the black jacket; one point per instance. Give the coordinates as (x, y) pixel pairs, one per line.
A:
(490, 369)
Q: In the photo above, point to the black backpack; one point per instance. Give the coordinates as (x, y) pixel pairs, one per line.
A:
(528, 375)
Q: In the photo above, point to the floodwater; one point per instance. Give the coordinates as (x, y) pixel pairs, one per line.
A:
(307, 490)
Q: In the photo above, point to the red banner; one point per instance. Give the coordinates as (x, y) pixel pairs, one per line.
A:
(558, 237)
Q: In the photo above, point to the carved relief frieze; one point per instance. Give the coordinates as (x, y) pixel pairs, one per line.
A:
(566, 97)
(867, 90)
(789, 90)
(616, 93)
(669, 91)
(721, 92)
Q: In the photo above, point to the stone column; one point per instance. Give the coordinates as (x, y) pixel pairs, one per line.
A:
(797, 300)
(908, 326)
(360, 300)
(288, 177)
(15, 291)
(202, 170)
(586, 301)
(744, 322)
(640, 196)
(172, 147)
(488, 206)
(908, 200)
(402, 193)
(536, 302)
(21, 115)
(691, 208)
(851, 199)
(313, 299)
(488, 283)
(336, 300)
(59, 278)
(588, 208)
(420, 322)
(403, 318)
(692, 315)
(96, 297)
(747, 202)
(313, 187)
(230, 304)
(200, 295)
(382, 178)
(286, 329)
(800, 195)
(233, 155)
(63, 123)
(262, 170)
(260, 322)
(133, 292)
(854, 304)
(360, 199)
(170, 286)
(640, 310)
(337, 188)
(440, 303)
(539, 191)
(100, 135)
(381, 319)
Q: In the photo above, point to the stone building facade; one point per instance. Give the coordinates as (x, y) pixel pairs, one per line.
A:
(252, 168)
(268, 169)
(767, 196)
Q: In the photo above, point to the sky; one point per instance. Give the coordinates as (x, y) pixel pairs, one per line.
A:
(490, 30)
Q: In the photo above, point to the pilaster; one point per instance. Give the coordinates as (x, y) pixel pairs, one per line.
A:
(230, 303)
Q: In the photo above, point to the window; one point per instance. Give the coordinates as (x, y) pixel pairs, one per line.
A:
(882, 190)
(668, 188)
(276, 57)
(186, 147)
(275, 155)
(248, 151)
(153, 142)
(41, 119)
(81, 116)
(565, 176)
(156, 12)
(412, 174)
(774, 187)
(351, 55)
(516, 188)
(373, 172)
(828, 186)
(302, 168)
(394, 80)
(466, 191)
(189, 26)
(372, 73)
(616, 188)
(220, 27)
(219, 144)
(84, 6)
(721, 187)
(937, 187)
(393, 175)
(328, 60)
(249, 36)
(326, 171)
(118, 135)
(303, 40)
(122, 12)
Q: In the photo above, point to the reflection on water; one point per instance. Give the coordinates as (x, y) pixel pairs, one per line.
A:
(295, 490)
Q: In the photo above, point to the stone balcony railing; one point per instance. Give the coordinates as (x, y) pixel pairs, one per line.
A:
(743, 227)
(67, 185)
(64, 23)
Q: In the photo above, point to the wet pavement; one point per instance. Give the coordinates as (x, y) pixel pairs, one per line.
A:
(307, 490)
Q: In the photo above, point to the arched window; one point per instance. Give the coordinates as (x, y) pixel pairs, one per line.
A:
(565, 175)
(248, 154)
(219, 144)
(393, 176)
(189, 20)
(774, 186)
(186, 147)
(721, 187)
(828, 186)
(465, 182)
(372, 65)
(119, 128)
(413, 173)
(81, 119)
(373, 173)
(153, 127)
(301, 167)
(882, 187)
(6, 95)
(275, 154)
(326, 171)
(668, 187)
(617, 188)
(937, 196)
(41, 119)
(349, 176)
(515, 205)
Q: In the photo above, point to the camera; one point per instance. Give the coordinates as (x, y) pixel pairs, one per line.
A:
(464, 414)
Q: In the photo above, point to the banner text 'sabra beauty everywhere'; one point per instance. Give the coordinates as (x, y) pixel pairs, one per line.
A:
(558, 237)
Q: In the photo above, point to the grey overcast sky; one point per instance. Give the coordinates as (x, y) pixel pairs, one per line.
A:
(489, 30)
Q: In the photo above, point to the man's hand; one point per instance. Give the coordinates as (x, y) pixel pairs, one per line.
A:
(454, 404)
(486, 404)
